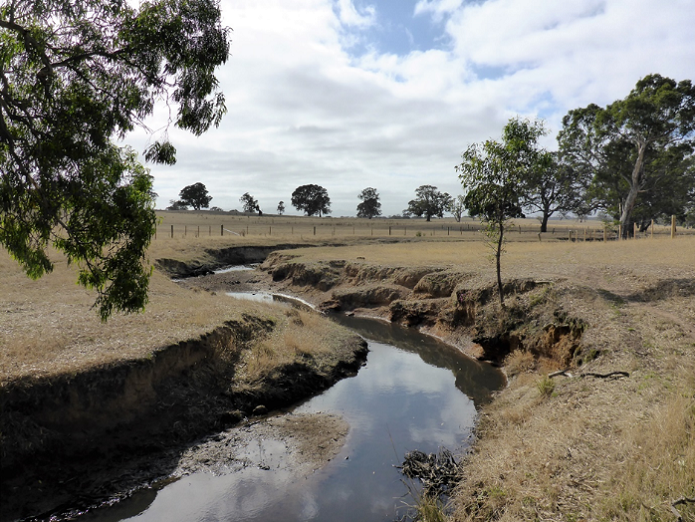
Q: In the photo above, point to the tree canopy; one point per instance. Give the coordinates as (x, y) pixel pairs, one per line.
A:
(370, 206)
(637, 151)
(311, 199)
(248, 203)
(74, 76)
(195, 196)
(429, 202)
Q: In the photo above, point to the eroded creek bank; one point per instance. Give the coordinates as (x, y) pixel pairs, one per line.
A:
(118, 420)
(457, 306)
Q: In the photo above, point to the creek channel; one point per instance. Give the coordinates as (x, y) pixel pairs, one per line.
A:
(414, 392)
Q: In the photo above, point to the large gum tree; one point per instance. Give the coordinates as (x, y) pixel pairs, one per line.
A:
(76, 76)
(638, 150)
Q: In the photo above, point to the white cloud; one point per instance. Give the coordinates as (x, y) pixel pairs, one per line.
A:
(303, 108)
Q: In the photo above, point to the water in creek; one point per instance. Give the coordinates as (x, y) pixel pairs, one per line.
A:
(414, 393)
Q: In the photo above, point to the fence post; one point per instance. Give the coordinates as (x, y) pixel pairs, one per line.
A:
(270, 231)
(172, 231)
(673, 227)
(652, 229)
(314, 230)
(605, 235)
(389, 230)
(247, 230)
(570, 235)
(584, 234)
(447, 231)
(222, 230)
(634, 230)
(210, 230)
(620, 231)
(198, 234)
(185, 230)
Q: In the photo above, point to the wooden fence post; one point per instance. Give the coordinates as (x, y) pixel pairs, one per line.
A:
(673, 227)
(605, 235)
(652, 229)
(172, 231)
(314, 230)
(634, 230)
(222, 230)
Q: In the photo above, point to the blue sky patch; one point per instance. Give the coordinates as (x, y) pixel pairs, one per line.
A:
(397, 30)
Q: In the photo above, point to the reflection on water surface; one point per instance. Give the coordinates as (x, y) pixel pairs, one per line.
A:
(414, 393)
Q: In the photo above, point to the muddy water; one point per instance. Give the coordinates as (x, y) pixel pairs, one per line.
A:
(414, 393)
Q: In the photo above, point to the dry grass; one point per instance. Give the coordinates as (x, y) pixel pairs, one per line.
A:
(206, 225)
(49, 327)
(298, 335)
(598, 449)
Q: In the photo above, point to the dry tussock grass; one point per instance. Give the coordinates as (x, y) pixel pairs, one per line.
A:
(49, 327)
(297, 335)
(597, 449)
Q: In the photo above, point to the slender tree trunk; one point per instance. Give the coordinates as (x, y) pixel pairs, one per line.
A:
(635, 182)
(498, 255)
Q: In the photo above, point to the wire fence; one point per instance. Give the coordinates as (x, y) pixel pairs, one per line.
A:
(321, 228)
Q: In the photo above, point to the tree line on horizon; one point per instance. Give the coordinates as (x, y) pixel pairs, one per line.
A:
(631, 161)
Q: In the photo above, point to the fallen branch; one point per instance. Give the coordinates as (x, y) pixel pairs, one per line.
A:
(682, 500)
(605, 375)
(560, 372)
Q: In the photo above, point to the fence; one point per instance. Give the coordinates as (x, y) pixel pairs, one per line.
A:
(308, 228)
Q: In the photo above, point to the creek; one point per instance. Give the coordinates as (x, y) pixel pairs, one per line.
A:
(415, 392)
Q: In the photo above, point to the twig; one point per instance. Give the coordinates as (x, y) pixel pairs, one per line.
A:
(682, 500)
(605, 375)
(560, 372)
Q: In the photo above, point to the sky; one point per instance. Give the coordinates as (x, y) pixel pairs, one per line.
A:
(349, 94)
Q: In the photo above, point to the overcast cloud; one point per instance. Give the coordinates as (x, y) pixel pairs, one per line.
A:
(350, 94)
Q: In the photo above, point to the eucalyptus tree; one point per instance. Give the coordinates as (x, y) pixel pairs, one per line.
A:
(248, 203)
(75, 77)
(492, 174)
(636, 149)
(312, 199)
(195, 196)
(370, 206)
(429, 202)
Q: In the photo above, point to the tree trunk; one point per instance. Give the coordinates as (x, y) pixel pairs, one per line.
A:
(635, 183)
(544, 223)
(498, 254)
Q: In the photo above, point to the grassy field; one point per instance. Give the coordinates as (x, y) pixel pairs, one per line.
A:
(204, 224)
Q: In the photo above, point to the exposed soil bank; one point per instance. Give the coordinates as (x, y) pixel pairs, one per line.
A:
(457, 306)
(72, 436)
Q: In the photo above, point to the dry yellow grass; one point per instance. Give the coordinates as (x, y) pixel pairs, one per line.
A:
(206, 225)
(48, 326)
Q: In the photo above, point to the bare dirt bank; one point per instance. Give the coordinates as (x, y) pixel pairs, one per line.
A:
(105, 430)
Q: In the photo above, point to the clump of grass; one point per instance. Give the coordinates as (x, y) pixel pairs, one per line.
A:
(519, 361)
(546, 386)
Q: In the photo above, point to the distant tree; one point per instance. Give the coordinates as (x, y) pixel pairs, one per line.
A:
(492, 175)
(312, 199)
(195, 195)
(177, 205)
(216, 209)
(429, 202)
(457, 207)
(248, 203)
(370, 206)
(638, 151)
(281, 208)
